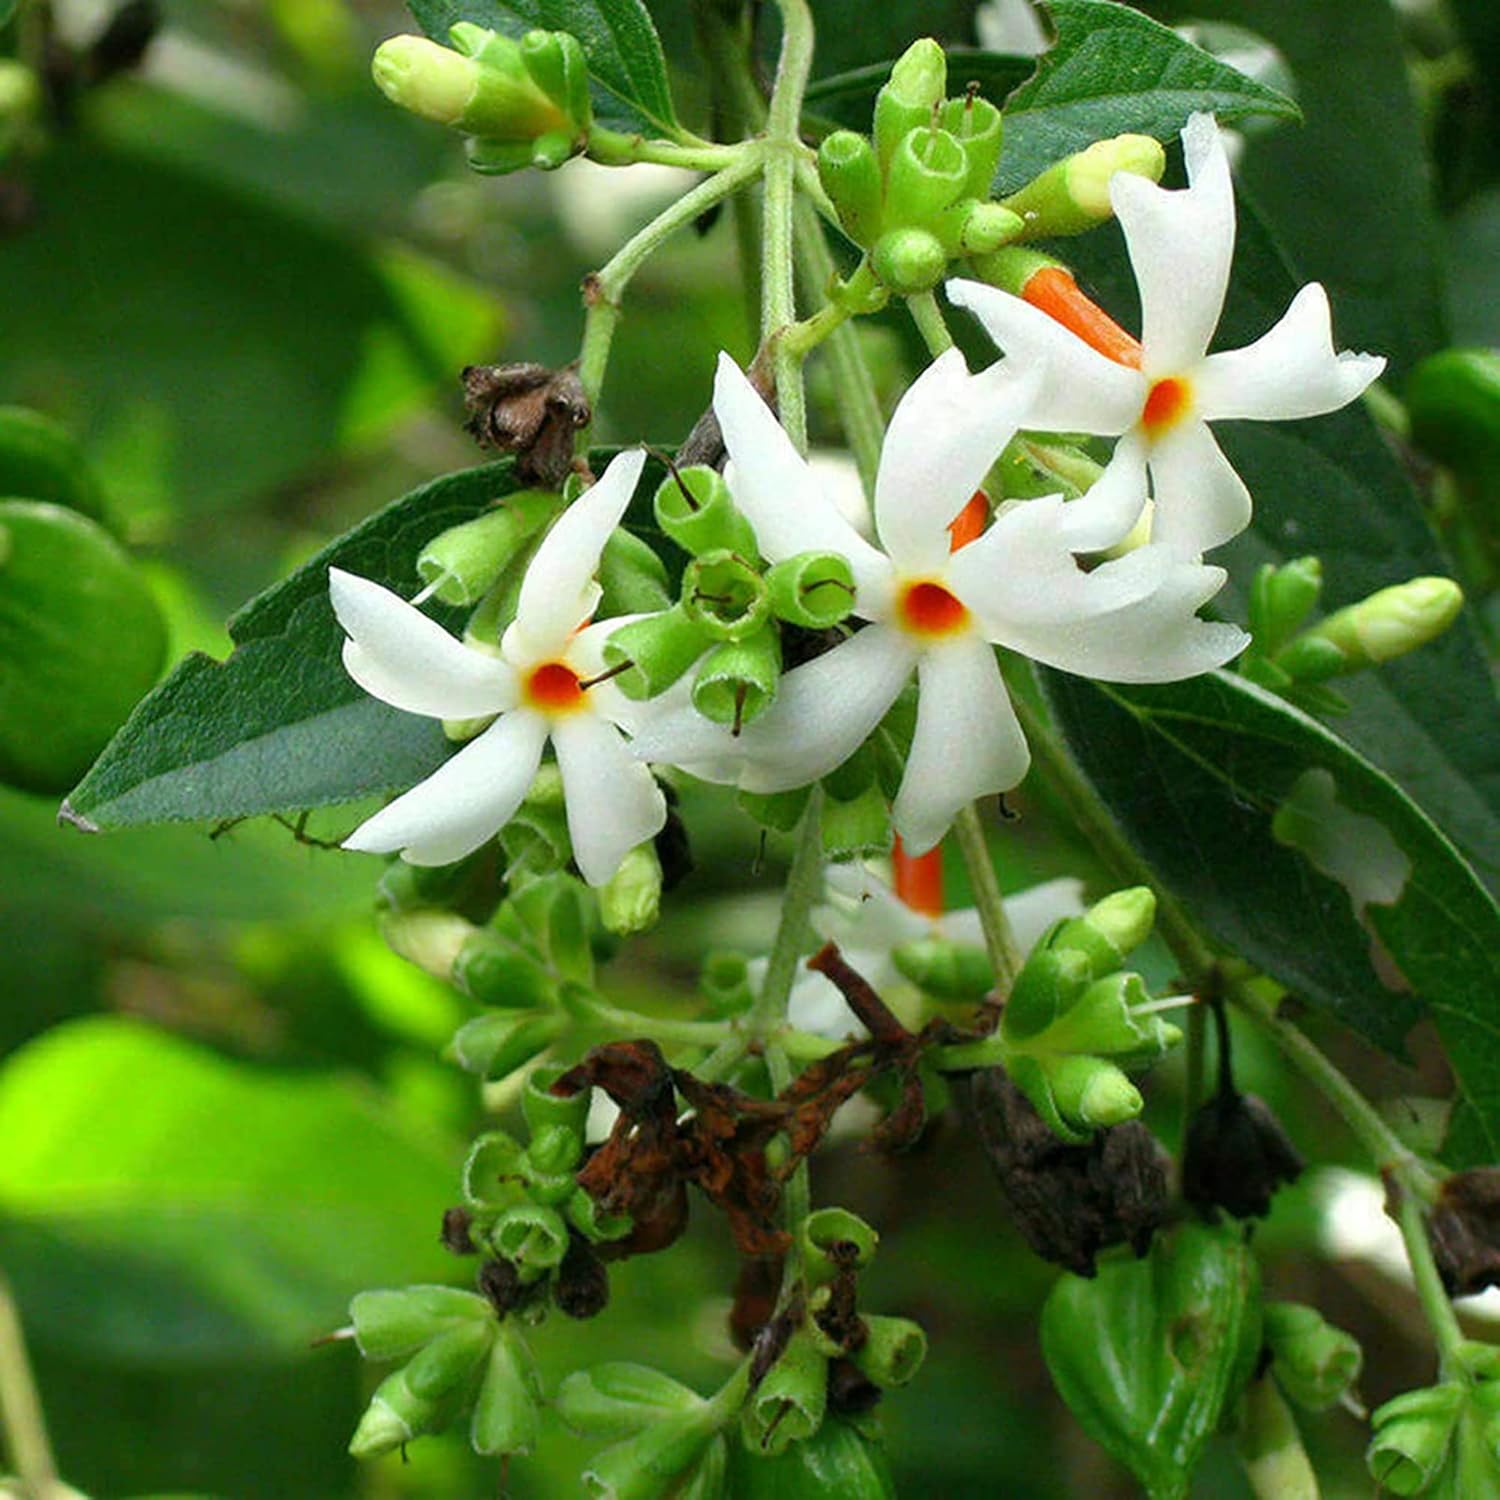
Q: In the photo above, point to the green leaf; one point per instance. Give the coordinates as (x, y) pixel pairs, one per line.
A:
(618, 38)
(854, 33)
(1297, 853)
(225, 1208)
(279, 725)
(41, 460)
(1113, 70)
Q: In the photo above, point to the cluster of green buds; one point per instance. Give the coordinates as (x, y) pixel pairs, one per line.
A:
(1443, 1440)
(1297, 663)
(522, 103)
(1075, 1021)
(458, 1359)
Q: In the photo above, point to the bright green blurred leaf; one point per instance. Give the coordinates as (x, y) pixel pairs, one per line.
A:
(41, 460)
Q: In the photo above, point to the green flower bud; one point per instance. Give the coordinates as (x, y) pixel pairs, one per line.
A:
(1092, 1093)
(495, 1045)
(909, 260)
(507, 1413)
(1314, 1362)
(985, 227)
(694, 508)
(926, 175)
(585, 1215)
(979, 128)
(449, 1361)
(850, 176)
(789, 1403)
(647, 1466)
(632, 578)
(1453, 400)
(1109, 930)
(918, 81)
(396, 1414)
(833, 1239)
(465, 561)
(1073, 195)
(542, 1108)
(497, 158)
(738, 679)
(553, 913)
(1281, 599)
(659, 648)
(1386, 625)
(494, 1172)
(857, 827)
(1051, 981)
(1011, 267)
(554, 1149)
(556, 61)
(812, 589)
(948, 971)
(494, 970)
(395, 1324)
(1276, 1463)
(1310, 659)
(724, 981)
(533, 1237)
(893, 1351)
(617, 1399)
(1104, 1020)
(630, 900)
(725, 595)
(432, 940)
(1412, 1437)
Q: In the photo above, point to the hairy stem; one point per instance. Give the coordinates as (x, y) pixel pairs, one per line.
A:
(999, 940)
(928, 317)
(1436, 1307)
(803, 885)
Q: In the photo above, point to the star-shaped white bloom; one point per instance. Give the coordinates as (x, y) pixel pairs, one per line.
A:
(933, 612)
(1181, 244)
(539, 687)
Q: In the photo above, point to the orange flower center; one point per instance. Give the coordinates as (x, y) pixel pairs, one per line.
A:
(928, 609)
(554, 688)
(1167, 403)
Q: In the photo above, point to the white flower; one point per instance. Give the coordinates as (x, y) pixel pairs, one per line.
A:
(1018, 585)
(539, 688)
(1181, 244)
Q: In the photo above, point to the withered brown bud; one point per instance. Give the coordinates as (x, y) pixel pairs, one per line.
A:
(1069, 1202)
(850, 1392)
(531, 411)
(1235, 1157)
(501, 1283)
(457, 1223)
(582, 1286)
(1464, 1231)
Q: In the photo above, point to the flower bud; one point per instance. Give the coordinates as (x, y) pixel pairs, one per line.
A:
(507, 1414)
(850, 176)
(495, 1045)
(494, 1172)
(893, 1351)
(466, 560)
(543, 1108)
(1453, 400)
(834, 1240)
(1412, 1436)
(925, 176)
(738, 679)
(947, 971)
(432, 940)
(1011, 267)
(493, 970)
(724, 982)
(553, 1148)
(556, 61)
(985, 227)
(20, 101)
(632, 578)
(1073, 195)
(630, 900)
(394, 1324)
(1276, 1463)
(447, 1362)
(788, 1404)
(1051, 981)
(531, 1236)
(1281, 598)
(694, 507)
(660, 648)
(1313, 1362)
(979, 128)
(40, 458)
(617, 1399)
(1110, 930)
(909, 260)
(812, 589)
(918, 81)
(725, 595)
(1091, 1093)
(396, 1415)
(647, 1466)
(1386, 625)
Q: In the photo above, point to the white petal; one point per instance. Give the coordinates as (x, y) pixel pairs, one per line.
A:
(467, 800)
(774, 487)
(395, 653)
(1080, 390)
(967, 743)
(1292, 371)
(613, 800)
(826, 709)
(945, 433)
(1181, 245)
(1111, 506)
(1200, 500)
(558, 591)
(1155, 637)
(816, 1005)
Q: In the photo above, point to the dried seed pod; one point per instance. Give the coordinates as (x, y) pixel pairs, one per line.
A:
(529, 410)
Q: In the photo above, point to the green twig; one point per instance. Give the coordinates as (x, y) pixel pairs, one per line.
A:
(928, 317)
(1436, 1307)
(999, 940)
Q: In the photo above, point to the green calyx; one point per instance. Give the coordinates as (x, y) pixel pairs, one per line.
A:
(909, 98)
(654, 1462)
(427, 1394)
(1313, 1362)
(724, 983)
(1412, 1436)
(650, 654)
(1281, 598)
(851, 176)
(737, 680)
(789, 1403)
(507, 1410)
(947, 971)
(466, 561)
(812, 589)
(835, 1240)
(617, 1399)
(693, 506)
(893, 1351)
(498, 1044)
(725, 595)
(392, 1325)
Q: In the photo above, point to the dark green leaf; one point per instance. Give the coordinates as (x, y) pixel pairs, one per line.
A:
(1113, 70)
(225, 1208)
(621, 44)
(1196, 771)
(280, 725)
(853, 33)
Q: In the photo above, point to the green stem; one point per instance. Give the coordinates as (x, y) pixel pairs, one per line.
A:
(1436, 1307)
(21, 1409)
(597, 1013)
(802, 338)
(928, 317)
(611, 148)
(999, 940)
(603, 290)
(804, 883)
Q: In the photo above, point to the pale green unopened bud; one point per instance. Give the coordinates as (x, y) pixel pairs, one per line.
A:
(448, 1361)
(432, 940)
(432, 81)
(495, 1045)
(1110, 929)
(694, 508)
(851, 177)
(979, 129)
(394, 1324)
(833, 1239)
(812, 589)
(1073, 195)
(632, 578)
(465, 561)
(542, 1108)
(659, 648)
(1386, 625)
(1091, 1093)
(1050, 982)
(1412, 1437)
(507, 1413)
(893, 1351)
(788, 1405)
(20, 101)
(723, 592)
(950, 971)
(918, 81)
(1281, 598)
(738, 679)
(1314, 1362)
(389, 1421)
(617, 1399)
(494, 970)
(1276, 1463)
(985, 227)
(909, 260)
(648, 1465)
(630, 900)
(926, 175)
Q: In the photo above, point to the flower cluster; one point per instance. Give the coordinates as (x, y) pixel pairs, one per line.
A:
(927, 601)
